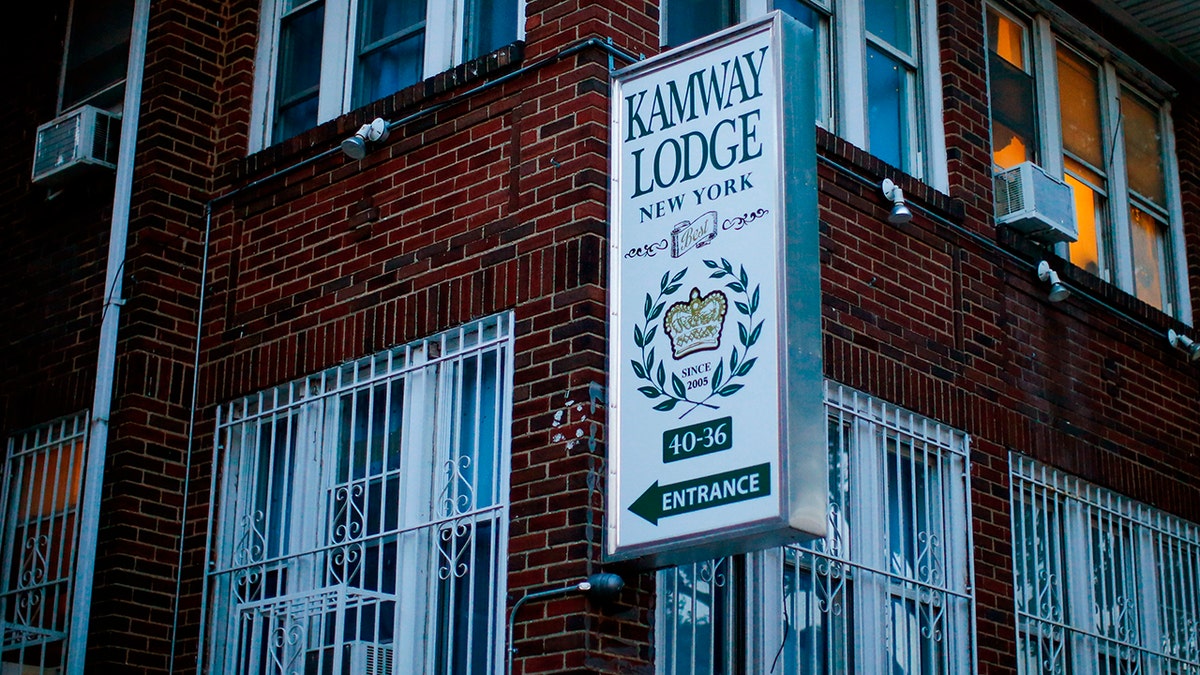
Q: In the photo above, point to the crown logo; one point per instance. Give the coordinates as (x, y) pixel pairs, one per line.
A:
(695, 325)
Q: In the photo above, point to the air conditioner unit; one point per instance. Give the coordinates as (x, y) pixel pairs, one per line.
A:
(367, 658)
(83, 138)
(1032, 201)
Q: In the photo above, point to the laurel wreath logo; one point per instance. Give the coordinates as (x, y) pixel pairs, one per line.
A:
(740, 363)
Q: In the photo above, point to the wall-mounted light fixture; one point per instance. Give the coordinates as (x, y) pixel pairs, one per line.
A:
(1185, 343)
(601, 587)
(900, 213)
(1058, 290)
(355, 147)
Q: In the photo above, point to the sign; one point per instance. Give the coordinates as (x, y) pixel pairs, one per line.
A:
(717, 421)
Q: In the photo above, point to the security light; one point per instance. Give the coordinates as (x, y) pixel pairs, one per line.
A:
(1185, 343)
(900, 213)
(1058, 290)
(355, 147)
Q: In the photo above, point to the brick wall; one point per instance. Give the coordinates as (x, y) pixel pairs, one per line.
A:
(498, 202)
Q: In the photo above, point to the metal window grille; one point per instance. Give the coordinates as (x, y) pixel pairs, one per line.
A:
(887, 591)
(361, 515)
(43, 476)
(1104, 584)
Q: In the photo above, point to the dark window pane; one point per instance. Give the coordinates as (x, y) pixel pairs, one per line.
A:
(885, 107)
(389, 70)
(490, 24)
(690, 19)
(798, 10)
(1014, 128)
(97, 51)
(382, 19)
(888, 20)
(299, 74)
(295, 118)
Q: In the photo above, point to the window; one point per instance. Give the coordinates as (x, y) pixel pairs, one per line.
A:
(43, 469)
(96, 54)
(358, 503)
(875, 88)
(1080, 114)
(368, 49)
(887, 591)
(1104, 584)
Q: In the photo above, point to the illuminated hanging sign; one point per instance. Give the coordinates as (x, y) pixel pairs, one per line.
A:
(717, 422)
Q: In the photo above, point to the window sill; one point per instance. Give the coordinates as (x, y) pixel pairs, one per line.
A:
(329, 134)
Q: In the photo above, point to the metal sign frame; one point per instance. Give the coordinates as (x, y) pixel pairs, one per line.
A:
(717, 432)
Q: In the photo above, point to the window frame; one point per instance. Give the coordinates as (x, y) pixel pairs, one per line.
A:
(352, 501)
(443, 49)
(865, 433)
(842, 56)
(1052, 30)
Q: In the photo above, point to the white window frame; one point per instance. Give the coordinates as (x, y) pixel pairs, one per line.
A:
(444, 27)
(1048, 31)
(36, 586)
(842, 55)
(1060, 522)
(748, 591)
(308, 515)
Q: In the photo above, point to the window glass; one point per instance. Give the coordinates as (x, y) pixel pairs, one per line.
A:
(298, 79)
(1143, 148)
(687, 20)
(490, 24)
(889, 20)
(97, 53)
(1014, 124)
(1079, 97)
(391, 48)
(886, 123)
(1148, 256)
(1089, 215)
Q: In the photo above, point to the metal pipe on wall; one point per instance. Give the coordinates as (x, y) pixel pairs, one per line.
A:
(97, 449)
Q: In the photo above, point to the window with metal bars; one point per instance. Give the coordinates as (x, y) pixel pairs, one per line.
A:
(1104, 584)
(43, 477)
(886, 591)
(356, 504)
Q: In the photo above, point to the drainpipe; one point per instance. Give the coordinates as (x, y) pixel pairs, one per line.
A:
(89, 521)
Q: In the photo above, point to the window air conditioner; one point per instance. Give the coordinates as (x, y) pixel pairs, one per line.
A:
(84, 137)
(367, 658)
(1032, 201)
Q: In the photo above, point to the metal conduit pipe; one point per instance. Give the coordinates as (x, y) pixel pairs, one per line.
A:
(601, 587)
(588, 43)
(97, 448)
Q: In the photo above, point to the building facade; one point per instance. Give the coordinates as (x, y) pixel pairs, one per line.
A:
(290, 391)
